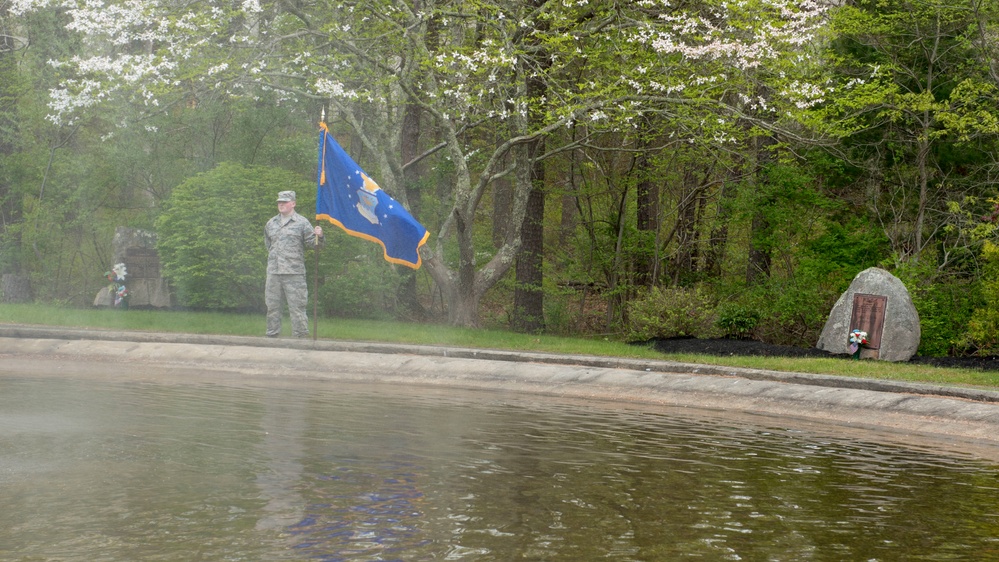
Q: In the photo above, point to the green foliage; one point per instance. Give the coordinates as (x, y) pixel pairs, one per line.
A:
(356, 281)
(573, 309)
(944, 302)
(210, 235)
(915, 103)
(558, 317)
(972, 110)
(672, 312)
(847, 245)
(823, 236)
(983, 326)
(792, 306)
(793, 207)
(821, 229)
(12, 86)
(792, 310)
(796, 307)
(738, 320)
(818, 243)
(267, 133)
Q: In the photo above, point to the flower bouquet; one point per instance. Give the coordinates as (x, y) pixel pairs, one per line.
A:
(858, 339)
(117, 287)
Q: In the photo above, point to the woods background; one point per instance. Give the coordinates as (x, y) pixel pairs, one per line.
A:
(631, 169)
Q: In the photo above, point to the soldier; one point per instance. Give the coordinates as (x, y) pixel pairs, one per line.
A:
(286, 237)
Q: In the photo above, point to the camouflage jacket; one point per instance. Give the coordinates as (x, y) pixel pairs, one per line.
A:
(286, 240)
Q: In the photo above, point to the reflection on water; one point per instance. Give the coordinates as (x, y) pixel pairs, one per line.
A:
(93, 470)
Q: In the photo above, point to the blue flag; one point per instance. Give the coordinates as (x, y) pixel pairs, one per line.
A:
(348, 198)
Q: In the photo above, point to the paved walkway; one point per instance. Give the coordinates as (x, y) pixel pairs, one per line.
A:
(967, 415)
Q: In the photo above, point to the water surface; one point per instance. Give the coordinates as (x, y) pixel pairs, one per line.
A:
(308, 470)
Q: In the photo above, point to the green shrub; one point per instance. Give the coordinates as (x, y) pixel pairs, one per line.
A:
(737, 320)
(944, 301)
(983, 326)
(792, 311)
(210, 235)
(672, 312)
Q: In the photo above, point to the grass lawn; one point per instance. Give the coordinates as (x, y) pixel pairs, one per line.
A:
(433, 334)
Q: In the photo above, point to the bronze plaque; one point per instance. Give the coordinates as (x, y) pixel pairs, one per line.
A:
(142, 263)
(869, 316)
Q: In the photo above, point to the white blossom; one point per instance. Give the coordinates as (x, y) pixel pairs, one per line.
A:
(334, 89)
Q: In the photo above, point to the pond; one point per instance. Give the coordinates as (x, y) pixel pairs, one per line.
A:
(259, 469)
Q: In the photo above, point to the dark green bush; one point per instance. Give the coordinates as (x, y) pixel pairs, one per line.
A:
(792, 311)
(737, 320)
(982, 336)
(211, 234)
(945, 301)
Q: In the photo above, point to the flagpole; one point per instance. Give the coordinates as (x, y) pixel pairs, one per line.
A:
(315, 282)
(315, 291)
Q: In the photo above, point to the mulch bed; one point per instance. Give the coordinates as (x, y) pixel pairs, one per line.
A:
(725, 346)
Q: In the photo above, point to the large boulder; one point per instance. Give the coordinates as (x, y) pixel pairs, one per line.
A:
(15, 288)
(888, 310)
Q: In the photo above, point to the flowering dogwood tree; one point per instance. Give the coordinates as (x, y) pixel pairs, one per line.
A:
(466, 67)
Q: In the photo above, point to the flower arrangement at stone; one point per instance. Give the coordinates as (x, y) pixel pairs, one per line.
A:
(117, 287)
(858, 339)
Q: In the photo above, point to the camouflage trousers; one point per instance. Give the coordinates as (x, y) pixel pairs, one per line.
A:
(293, 288)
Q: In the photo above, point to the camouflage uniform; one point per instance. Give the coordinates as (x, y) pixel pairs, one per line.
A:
(286, 240)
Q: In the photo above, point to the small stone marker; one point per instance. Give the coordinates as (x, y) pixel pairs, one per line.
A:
(136, 248)
(15, 288)
(878, 303)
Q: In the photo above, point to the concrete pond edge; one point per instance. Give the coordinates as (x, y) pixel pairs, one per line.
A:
(906, 409)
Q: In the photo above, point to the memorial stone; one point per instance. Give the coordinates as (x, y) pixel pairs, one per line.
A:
(878, 303)
(136, 248)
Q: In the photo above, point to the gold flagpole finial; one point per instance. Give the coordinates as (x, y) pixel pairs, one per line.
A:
(322, 164)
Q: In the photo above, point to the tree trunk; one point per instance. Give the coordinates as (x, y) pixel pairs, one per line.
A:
(760, 237)
(407, 296)
(463, 310)
(502, 205)
(719, 233)
(613, 304)
(922, 157)
(569, 205)
(463, 282)
(647, 220)
(528, 297)
(686, 230)
(529, 293)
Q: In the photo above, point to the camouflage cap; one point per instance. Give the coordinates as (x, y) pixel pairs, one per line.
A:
(286, 196)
